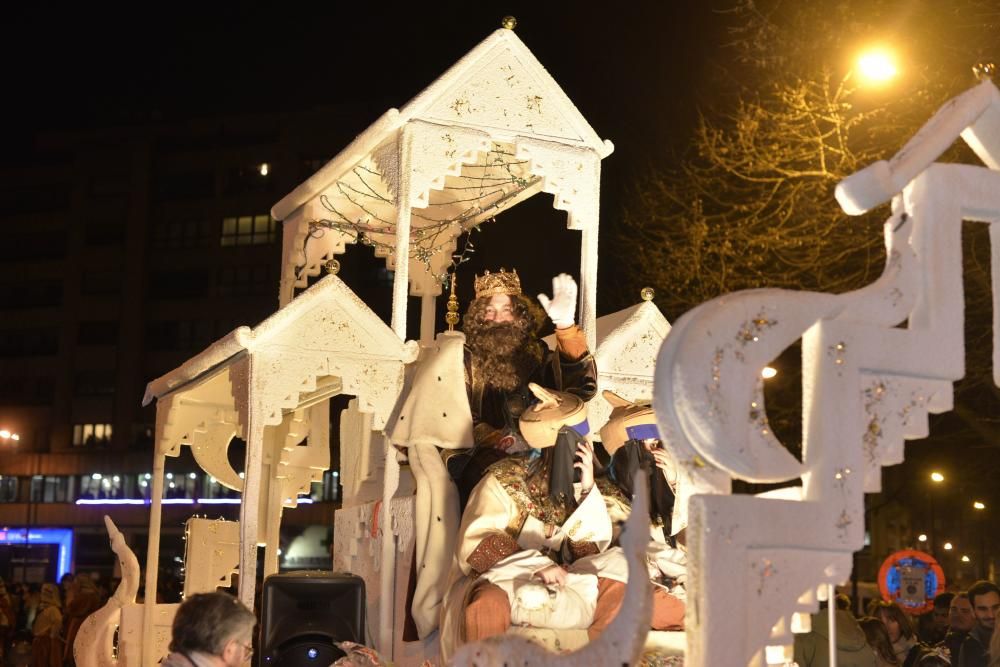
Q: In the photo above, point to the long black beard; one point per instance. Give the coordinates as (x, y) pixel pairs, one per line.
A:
(556, 463)
(633, 458)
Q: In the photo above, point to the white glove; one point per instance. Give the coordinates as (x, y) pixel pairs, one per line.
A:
(561, 309)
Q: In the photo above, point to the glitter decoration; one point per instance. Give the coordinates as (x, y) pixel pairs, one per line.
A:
(837, 351)
(984, 71)
(751, 330)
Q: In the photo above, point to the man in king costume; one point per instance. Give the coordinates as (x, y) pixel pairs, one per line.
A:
(526, 528)
(503, 354)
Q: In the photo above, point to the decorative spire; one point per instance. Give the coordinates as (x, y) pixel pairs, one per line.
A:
(508, 23)
(452, 317)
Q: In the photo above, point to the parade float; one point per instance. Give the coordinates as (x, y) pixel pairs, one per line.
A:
(497, 128)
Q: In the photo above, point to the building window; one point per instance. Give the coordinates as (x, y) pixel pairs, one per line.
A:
(97, 333)
(94, 383)
(31, 294)
(101, 283)
(182, 232)
(328, 490)
(45, 489)
(29, 342)
(91, 435)
(21, 390)
(8, 489)
(249, 230)
(248, 179)
(96, 486)
(244, 280)
(187, 284)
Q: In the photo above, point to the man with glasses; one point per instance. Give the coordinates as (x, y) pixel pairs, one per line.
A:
(211, 630)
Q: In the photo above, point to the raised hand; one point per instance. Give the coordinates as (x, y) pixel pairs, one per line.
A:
(585, 454)
(561, 308)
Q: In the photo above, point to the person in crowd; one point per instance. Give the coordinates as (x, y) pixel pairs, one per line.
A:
(46, 644)
(960, 622)
(905, 644)
(994, 650)
(211, 630)
(84, 601)
(934, 626)
(985, 599)
(878, 639)
(8, 618)
(812, 649)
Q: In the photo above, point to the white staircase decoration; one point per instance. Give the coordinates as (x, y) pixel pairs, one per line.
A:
(867, 386)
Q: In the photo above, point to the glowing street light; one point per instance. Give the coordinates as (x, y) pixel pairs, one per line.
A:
(966, 559)
(937, 477)
(768, 372)
(7, 434)
(877, 66)
(921, 537)
(948, 546)
(264, 168)
(978, 505)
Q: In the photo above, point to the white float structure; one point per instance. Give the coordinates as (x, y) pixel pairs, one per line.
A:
(270, 384)
(758, 564)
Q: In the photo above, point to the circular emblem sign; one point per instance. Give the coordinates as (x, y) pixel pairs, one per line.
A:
(911, 579)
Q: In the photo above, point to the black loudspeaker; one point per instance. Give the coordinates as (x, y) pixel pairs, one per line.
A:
(304, 613)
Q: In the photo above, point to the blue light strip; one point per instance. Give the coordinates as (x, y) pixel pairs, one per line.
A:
(175, 501)
(60, 536)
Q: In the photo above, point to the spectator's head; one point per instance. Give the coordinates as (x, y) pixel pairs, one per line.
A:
(50, 596)
(214, 624)
(985, 599)
(939, 616)
(897, 623)
(878, 639)
(843, 602)
(960, 616)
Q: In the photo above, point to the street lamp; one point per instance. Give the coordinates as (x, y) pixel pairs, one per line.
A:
(921, 537)
(8, 435)
(978, 505)
(768, 372)
(965, 559)
(948, 546)
(877, 66)
(937, 477)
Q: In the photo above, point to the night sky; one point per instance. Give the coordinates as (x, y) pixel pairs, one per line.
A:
(632, 71)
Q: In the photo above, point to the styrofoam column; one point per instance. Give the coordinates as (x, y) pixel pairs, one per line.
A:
(401, 280)
(250, 507)
(387, 573)
(153, 558)
(588, 284)
(831, 613)
(427, 318)
(274, 510)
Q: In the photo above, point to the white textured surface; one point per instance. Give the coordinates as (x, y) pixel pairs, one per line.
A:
(867, 386)
(420, 165)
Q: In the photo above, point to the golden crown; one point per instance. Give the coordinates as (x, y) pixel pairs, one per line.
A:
(500, 282)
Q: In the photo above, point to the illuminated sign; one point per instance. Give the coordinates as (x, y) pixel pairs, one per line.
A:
(911, 579)
(63, 537)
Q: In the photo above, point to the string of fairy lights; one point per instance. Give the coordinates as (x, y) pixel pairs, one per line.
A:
(484, 187)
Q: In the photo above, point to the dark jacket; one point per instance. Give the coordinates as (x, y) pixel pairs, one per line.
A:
(812, 648)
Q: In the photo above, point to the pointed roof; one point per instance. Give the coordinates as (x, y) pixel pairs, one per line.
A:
(500, 68)
(328, 315)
